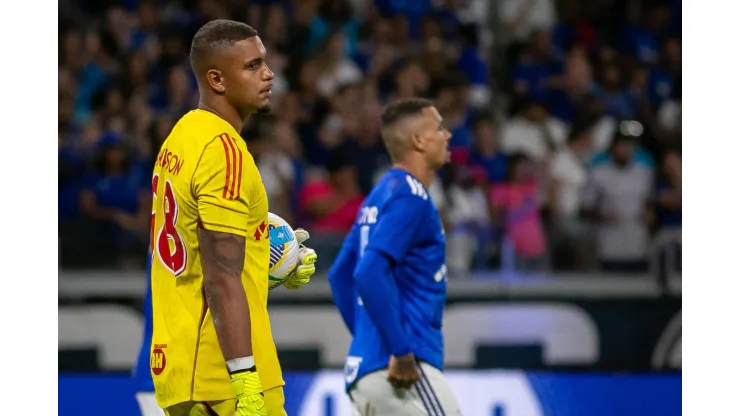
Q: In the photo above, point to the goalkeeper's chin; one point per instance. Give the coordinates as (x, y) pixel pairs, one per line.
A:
(265, 109)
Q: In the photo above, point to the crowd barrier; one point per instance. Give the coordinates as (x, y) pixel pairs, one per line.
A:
(480, 393)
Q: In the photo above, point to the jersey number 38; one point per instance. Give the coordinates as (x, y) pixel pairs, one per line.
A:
(166, 243)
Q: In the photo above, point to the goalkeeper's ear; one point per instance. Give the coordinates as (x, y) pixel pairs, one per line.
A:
(301, 235)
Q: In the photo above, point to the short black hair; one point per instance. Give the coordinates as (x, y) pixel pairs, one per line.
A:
(402, 109)
(216, 34)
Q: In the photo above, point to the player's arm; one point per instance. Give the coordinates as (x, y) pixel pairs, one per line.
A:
(222, 257)
(341, 280)
(222, 240)
(391, 239)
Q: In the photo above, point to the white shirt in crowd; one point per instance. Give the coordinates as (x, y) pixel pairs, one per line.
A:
(571, 174)
(465, 205)
(669, 115)
(621, 194)
(602, 134)
(538, 14)
(521, 135)
(344, 73)
(276, 169)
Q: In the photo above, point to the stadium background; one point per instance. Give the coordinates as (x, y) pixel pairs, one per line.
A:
(565, 287)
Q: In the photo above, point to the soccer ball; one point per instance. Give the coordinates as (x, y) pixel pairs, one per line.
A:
(283, 250)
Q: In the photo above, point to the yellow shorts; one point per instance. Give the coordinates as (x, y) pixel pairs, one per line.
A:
(274, 401)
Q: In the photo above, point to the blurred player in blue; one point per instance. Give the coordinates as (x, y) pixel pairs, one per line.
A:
(390, 280)
(142, 371)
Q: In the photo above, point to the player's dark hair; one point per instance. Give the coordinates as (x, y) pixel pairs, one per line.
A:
(399, 110)
(394, 113)
(215, 35)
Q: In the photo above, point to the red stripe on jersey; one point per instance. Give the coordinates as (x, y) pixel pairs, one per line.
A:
(238, 169)
(228, 163)
(229, 140)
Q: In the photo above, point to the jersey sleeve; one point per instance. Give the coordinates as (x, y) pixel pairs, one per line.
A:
(217, 182)
(398, 225)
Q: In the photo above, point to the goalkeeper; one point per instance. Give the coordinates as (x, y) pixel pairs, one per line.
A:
(212, 351)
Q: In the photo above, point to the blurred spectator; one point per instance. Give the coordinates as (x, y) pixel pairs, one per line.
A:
(407, 14)
(331, 204)
(342, 120)
(669, 116)
(118, 198)
(452, 93)
(533, 132)
(568, 176)
(410, 81)
(179, 98)
(668, 193)
(522, 17)
(462, 206)
(616, 100)
(71, 170)
(663, 77)
(534, 72)
(276, 167)
(574, 30)
(378, 53)
(486, 152)
(575, 85)
(333, 16)
(472, 63)
(364, 139)
(516, 209)
(335, 68)
(641, 37)
(617, 197)
(274, 33)
(313, 110)
(278, 64)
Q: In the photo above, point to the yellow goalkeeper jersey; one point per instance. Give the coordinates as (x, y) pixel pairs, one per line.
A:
(204, 177)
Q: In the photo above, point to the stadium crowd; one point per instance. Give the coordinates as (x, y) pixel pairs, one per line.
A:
(565, 115)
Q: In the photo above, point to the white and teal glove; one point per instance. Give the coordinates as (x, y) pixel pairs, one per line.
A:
(306, 262)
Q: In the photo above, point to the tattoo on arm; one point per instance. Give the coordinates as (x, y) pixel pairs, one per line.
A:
(223, 253)
(222, 259)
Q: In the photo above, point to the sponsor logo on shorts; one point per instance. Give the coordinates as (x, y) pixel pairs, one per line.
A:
(158, 359)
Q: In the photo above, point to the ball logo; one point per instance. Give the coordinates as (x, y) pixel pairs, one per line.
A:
(158, 361)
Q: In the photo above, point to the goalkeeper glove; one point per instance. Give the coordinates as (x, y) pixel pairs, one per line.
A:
(306, 263)
(248, 391)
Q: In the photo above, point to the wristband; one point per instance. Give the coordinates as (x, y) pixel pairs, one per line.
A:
(241, 364)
